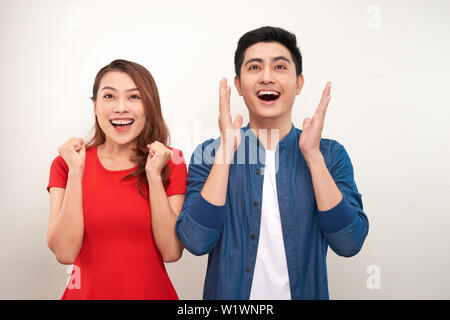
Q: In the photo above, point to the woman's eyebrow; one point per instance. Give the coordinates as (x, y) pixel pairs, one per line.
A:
(114, 89)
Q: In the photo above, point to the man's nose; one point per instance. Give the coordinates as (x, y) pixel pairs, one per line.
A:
(267, 75)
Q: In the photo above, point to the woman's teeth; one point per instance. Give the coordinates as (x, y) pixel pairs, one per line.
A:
(121, 122)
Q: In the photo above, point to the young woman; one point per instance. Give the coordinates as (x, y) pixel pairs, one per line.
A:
(114, 201)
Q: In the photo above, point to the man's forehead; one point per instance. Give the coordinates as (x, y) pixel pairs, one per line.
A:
(266, 51)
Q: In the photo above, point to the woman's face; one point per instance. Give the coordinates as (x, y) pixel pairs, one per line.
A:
(119, 108)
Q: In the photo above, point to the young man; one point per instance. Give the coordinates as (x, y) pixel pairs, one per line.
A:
(265, 201)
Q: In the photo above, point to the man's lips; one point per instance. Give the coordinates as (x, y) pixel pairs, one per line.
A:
(268, 96)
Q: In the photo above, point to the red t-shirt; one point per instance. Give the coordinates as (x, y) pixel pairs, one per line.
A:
(119, 258)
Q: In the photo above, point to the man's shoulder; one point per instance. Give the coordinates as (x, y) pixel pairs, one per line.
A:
(329, 147)
(208, 143)
(205, 152)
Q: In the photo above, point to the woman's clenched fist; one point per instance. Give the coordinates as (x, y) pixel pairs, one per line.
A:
(158, 156)
(74, 154)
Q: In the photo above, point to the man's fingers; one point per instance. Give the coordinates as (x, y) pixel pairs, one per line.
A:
(323, 104)
(306, 123)
(237, 122)
(222, 95)
(227, 99)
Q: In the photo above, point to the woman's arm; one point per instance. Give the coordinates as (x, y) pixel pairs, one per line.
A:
(66, 226)
(165, 211)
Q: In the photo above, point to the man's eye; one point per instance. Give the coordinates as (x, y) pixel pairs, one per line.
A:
(135, 97)
(280, 67)
(253, 68)
(107, 96)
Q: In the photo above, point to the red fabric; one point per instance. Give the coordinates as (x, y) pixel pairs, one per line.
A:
(119, 258)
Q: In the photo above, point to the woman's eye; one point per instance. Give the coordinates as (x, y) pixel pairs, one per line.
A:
(134, 97)
(108, 96)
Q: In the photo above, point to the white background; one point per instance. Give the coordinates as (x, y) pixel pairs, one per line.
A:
(389, 66)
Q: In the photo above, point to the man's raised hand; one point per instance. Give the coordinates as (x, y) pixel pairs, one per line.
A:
(312, 127)
(230, 132)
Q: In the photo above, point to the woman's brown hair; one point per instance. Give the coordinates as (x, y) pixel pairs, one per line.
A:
(155, 128)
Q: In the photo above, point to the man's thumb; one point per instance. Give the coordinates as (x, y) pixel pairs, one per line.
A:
(237, 122)
(306, 123)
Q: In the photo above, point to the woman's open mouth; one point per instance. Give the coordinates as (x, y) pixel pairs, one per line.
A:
(122, 125)
(268, 96)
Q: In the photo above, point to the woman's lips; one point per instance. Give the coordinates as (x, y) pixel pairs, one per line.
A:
(124, 128)
(122, 125)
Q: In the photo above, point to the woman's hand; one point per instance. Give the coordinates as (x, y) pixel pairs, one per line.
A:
(74, 154)
(158, 156)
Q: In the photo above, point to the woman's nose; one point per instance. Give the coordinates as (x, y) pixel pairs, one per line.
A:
(121, 106)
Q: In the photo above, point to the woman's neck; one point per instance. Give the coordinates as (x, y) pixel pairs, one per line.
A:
(114, 150)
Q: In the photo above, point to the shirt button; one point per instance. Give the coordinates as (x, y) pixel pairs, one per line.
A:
(247, 269)
(252, 236)
(255, 204)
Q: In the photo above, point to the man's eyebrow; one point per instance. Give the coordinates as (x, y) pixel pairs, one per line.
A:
(273, 59)
(114, 89)
(281, 58)
(252, 60)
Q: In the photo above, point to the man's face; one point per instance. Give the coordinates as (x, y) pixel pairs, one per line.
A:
(268, 81)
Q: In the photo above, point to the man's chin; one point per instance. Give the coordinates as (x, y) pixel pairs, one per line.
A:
(267, 112)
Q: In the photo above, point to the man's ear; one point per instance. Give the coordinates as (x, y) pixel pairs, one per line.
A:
(237, 84)
(300, 82)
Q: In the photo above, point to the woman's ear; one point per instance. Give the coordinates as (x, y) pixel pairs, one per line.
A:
(300, 82)
(237, 84)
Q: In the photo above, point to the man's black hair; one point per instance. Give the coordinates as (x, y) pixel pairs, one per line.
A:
(268, 34)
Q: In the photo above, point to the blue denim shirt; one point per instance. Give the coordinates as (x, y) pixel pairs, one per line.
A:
(230, 233)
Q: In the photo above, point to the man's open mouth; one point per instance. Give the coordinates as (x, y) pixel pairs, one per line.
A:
(268, 95)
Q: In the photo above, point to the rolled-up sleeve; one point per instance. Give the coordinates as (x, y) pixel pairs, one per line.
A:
(346, 225)
(199, 225)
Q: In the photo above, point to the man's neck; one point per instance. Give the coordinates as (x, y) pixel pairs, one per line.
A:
(271, 131)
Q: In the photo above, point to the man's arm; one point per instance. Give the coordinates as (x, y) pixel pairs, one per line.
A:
(341, 215)
(200, 223)
(344, 224)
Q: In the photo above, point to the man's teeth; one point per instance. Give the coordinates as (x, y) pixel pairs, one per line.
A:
(122, 122)
(268, 92)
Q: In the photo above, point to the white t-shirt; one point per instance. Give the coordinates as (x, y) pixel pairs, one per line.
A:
(271, 278)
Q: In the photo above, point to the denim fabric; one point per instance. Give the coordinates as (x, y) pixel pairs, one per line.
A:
(230, 233)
